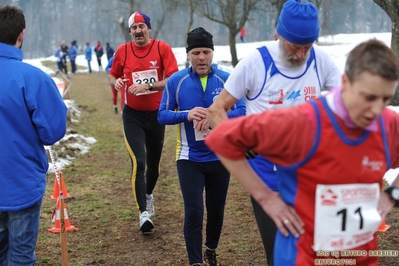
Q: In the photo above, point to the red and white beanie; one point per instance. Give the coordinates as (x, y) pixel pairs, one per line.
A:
(139, 17)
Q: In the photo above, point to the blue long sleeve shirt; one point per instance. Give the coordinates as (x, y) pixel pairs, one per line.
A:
(183, 92)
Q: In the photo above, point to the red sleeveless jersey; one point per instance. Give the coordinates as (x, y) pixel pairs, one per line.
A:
(344, 161)
(151, 63)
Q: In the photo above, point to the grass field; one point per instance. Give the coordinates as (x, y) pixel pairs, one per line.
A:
(102, 206)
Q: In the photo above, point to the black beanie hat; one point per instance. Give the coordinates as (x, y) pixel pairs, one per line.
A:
(199, 37)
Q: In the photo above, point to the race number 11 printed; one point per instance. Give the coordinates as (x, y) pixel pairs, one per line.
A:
(346, 216)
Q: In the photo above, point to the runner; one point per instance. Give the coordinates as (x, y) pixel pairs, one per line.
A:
(280, 74)
(331, 156)
(142, 67)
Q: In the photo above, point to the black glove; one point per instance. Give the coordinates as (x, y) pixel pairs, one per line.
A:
(250, 154)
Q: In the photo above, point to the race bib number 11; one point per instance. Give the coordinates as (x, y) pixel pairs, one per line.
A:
(346, 216)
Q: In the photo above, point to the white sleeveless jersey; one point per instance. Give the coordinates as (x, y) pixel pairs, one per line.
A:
(266, 84)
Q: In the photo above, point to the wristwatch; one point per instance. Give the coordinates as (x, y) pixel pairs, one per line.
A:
(393, 193)
(151, 86)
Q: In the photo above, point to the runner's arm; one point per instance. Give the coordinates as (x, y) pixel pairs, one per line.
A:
(385, 203)
(392, 123)
(217, 112)
(117, 83)
(159, 85)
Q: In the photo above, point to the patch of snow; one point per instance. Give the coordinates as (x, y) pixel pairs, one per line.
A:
(337, 46)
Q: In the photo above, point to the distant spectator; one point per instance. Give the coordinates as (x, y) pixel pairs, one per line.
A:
(88, 53)
(243, 32)
(99, 53)
(72, 53)
(59, 59)
(109, 50)
(64, 49)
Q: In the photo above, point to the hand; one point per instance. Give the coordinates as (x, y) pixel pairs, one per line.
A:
(197, 113)
(120, 82)
(202, 125)
(138, 88)
(385, 204)
(284, 216)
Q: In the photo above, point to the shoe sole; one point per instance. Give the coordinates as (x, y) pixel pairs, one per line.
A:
(146, 228)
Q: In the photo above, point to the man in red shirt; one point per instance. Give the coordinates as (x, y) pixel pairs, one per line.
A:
(142, 68)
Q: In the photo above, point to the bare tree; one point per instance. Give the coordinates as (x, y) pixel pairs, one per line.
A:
(123, 21)
(391, 7)
(279, 6)
(231, 13)
(167, 8)
(193, 4)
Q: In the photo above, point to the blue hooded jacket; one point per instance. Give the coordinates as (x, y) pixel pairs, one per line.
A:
(32, 114)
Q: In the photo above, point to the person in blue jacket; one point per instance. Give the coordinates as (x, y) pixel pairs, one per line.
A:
(32, 114)
(187, 95)
(88, 55)
(59, 60)
(72, 53)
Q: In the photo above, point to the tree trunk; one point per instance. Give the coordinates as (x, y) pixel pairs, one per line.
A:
(124, 29)
(193, 6)
(279, 7)
(391, 7)
(395, 25)
(233, 49)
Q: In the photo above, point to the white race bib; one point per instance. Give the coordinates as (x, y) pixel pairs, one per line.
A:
(346, 216)
(144, 77)
(200, 135)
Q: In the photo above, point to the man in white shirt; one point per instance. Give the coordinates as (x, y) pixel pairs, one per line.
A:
(280, 74)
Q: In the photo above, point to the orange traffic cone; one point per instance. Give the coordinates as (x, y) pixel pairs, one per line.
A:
(56, 191)
(383, 227)
(56, 218)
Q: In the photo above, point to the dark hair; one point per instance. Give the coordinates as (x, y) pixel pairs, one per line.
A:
(374, 57)
(12, 23)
